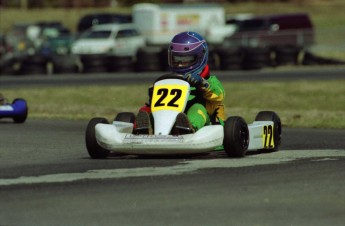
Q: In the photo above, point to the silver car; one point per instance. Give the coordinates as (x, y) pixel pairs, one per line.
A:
(109, 39)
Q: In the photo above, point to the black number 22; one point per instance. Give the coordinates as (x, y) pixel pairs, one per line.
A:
(164, 93)
(268, 135)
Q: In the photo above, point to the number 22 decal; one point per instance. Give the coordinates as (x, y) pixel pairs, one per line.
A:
(163, 93)
(169, 97)
(268, 139)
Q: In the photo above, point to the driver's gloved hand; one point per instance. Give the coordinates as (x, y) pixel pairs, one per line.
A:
(196, 80)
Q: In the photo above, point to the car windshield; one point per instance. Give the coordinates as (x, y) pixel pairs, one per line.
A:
(96, 34)
(251, 25)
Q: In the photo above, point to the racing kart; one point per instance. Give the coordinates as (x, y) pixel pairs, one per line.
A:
(169, 98)
(17, 110)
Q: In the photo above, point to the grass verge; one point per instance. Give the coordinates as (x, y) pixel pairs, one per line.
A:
(302, 104)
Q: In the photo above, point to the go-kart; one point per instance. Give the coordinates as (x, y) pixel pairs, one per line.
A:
(17, 110)
(169, 98)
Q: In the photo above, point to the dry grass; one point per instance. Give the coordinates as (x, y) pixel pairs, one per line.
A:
(309, 104)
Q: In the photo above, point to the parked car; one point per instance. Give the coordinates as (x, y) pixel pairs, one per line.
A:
(102, 18)
(108, 47)
(60, 45)
(295, 30)
(270, 40)
(109, 39)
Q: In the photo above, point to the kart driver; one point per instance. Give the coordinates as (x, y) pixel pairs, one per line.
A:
(3, 100)
(188, 56)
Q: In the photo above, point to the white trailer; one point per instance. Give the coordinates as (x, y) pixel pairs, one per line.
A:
(160, 22)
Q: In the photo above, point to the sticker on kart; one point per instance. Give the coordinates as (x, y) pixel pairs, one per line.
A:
(267, 137)
(139, 139)
(6, 108)
(169, 97)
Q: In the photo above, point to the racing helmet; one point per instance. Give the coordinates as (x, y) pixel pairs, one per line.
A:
(187, 53)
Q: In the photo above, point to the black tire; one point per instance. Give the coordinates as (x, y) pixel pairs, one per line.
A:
(94, 63)
(164, 64)
(21, 118)
(64, 64)
(94, 149)
(148, 59)
(120, 64)
(256, 58)
(213, 59)
(230, 58)
(277, 127)
(6, 65)
(287, 55)
(125, 117)
(34, 65)
(236, 137)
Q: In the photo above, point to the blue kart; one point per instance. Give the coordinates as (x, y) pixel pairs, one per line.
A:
(17, 110)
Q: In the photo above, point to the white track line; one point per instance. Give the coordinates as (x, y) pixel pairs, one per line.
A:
(183, 167)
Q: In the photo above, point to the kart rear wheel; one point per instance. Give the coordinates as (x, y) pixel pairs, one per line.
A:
(277, 126)
(94, 149)
(125, 117)
(236, 137)
(24, 110)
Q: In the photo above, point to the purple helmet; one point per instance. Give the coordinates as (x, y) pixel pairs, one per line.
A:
(188, 53)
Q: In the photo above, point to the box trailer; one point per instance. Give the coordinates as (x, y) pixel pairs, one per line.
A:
(160, 22)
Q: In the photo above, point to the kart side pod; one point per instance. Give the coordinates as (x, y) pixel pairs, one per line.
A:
(18, 110)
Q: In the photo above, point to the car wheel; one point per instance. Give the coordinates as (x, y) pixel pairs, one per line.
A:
(277, 126)
(22, 105)
(236, 136)
(94, 149)
(125, 117)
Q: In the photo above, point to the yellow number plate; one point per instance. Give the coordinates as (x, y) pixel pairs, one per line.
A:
(169, 97)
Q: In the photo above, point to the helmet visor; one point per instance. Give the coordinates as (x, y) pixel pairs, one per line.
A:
(182, 61)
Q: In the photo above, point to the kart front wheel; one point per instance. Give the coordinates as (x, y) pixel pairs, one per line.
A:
(94, 149)
(236, 137)
(277, 126)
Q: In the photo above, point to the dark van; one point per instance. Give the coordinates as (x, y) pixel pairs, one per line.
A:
(283, 30)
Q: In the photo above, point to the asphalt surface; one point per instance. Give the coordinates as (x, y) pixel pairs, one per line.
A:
(47, 178)
(287, 74)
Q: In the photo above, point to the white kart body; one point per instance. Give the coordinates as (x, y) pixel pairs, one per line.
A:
(118, 137)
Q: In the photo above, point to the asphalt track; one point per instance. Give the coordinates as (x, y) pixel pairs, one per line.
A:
(123, 78)
(47, 178)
